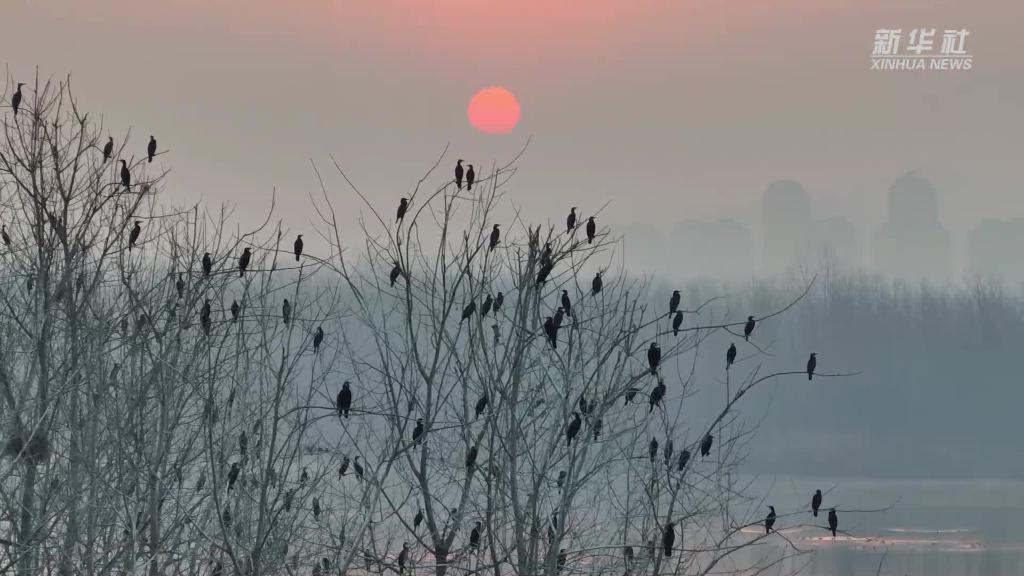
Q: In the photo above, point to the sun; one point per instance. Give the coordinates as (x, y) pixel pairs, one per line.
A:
(493, 110)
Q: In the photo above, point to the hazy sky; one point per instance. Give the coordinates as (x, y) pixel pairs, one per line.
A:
(668, 109)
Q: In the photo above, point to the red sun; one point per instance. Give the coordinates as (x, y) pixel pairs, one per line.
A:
(493, 110)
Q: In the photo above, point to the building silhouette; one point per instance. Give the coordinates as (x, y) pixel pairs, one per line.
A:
(912, 244)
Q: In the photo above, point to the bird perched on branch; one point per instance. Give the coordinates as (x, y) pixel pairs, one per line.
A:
(298, 247)
(684, 459)
(468, 311)
(816, 502)
(16, 99)
(344, 400)
(481, 404)
(151, 149)
(677, 322)
(654, 357)
(705, 445)
(655, 398)
(498, 301)
(403, 557)
(207, 264)
(471, 458)
(596, 284)
(769, 521)
(812, 363)
(730, 356)
(573, 429)
(551, 331)
(395, 273)
(570, 220)
(204, 318)
(458, 173)
(126, 175)
(673, 302)
(318, 339)
(485, 308)
(748, 328)
(417, 432)
(474, 536)
(243, 261)
(403, 207)
(668, 539)
(286, 312)
(133, 236)
(652, 449)
(235, 310)
(495, 238)
(833, 521)
(108, 149)
(591, 230)
(566, 303)
(470, 177)
(179, 286)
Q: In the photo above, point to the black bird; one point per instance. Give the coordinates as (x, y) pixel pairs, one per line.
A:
(304, 477)
(769, 521)
(243, 261)
(403, 556)
(559, 315)
(652, 449)
(204, 318)
(403, 206)
(16, 99)
(591, 230)
(469, 309)
(684, 459)
(544, 272)
(668, 540)
(551, 331)
(471, 457)
(288, 498)
(470, 177)
(486, 307)
(133, 236)
(816, 502)
(656, 396)
(108, 148)
(812, 363)
(630, 394)
(226, 517)
(207, 264)
(654, 357)
(562, 559)
(748, 328)
(498, 301)
(545, 257)
(233, 475)
(286, 312)
(344, 467)
(298, 247)
(243, 444)
(596, 284)
(151, 149)
(474, 536)
(316, 508)
(677, 322)
(418, 519)
(833, 521)
(458, 173)
(596, 427)
(570, 220)
(3, 234)
(585, 407)
(481, 404)
(573, 429)
(673, 302)
(357, 467)
(126, 175)
(495, 238)
(566, 303)
(395, 273)
(561, 479)
(318, 339)
(627, 554)
(417, 432)
(730, 356)
(235, 310)
(668, 452)
(344, 400)
(705, 445)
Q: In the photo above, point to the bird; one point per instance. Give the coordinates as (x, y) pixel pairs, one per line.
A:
(705, 445)
(668, 452)
(498, 301)
(304, 477)
(673, 302)
(4, 235)
(816, 502)
(207, 264)
(126, 175)
(474, 536)
(286, 312)
(684, 459)
(470, 176)
(416, 521)
(559, 316)
(471, 457)
(298, 247)
(627, 555)
(179, 286)
(561, 479)
(316, 508)
(16, 99)
(486, 306)
(591, 230)
(403, 206)
(469, 309)
(395, 273)
(235, 310)
(596, 284)
(730, 356)
(748, 328)
(769, 521)
(417, 432)
(585, 407)
(318, 339)
(570, 220)
(226, 517)
(357, 467)
(133, 236)
(654, 357)
(668, 539)
(544, 272)
(566, 303)
(833, 521)
(545, 257)
(403, 556)
(596, 428)
(656, 396)
(812, 363)
(344, 400)
(495, 238)
(551, 331)
(243, 444)
(204, 317)
(481, 404)
(288, 497)
(243, 261)
(233, 475)
(573, 429)
(344, 467)
(458, 173)
(677, 322)
(108, 149)
(652, 449)
(151, 149)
